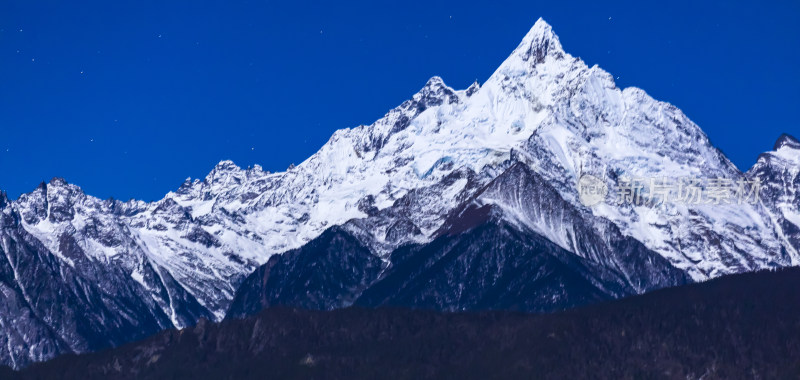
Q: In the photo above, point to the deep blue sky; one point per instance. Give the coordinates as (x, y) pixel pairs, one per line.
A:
(129, 100)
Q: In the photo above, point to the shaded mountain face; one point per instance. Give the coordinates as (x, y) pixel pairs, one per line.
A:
(482, 258)
(491, 266)
(779, 173)
(61, 302)
(515, 148)
(326, 273)
(738, 324)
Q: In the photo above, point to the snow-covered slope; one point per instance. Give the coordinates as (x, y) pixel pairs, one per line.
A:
(779, 173)
(592, 127)
(394, 183)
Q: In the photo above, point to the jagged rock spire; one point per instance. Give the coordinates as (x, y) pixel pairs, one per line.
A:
(539, 43)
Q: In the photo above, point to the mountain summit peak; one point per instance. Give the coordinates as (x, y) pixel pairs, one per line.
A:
(539, 42)
(788, 141)
(226, 166)
(435, 81)
(541, 28)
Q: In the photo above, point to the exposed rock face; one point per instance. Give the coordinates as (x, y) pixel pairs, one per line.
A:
(68, 301)
(327, 273)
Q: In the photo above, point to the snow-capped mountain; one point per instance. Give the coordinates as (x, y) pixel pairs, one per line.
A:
(520, 144)
(385, 202)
